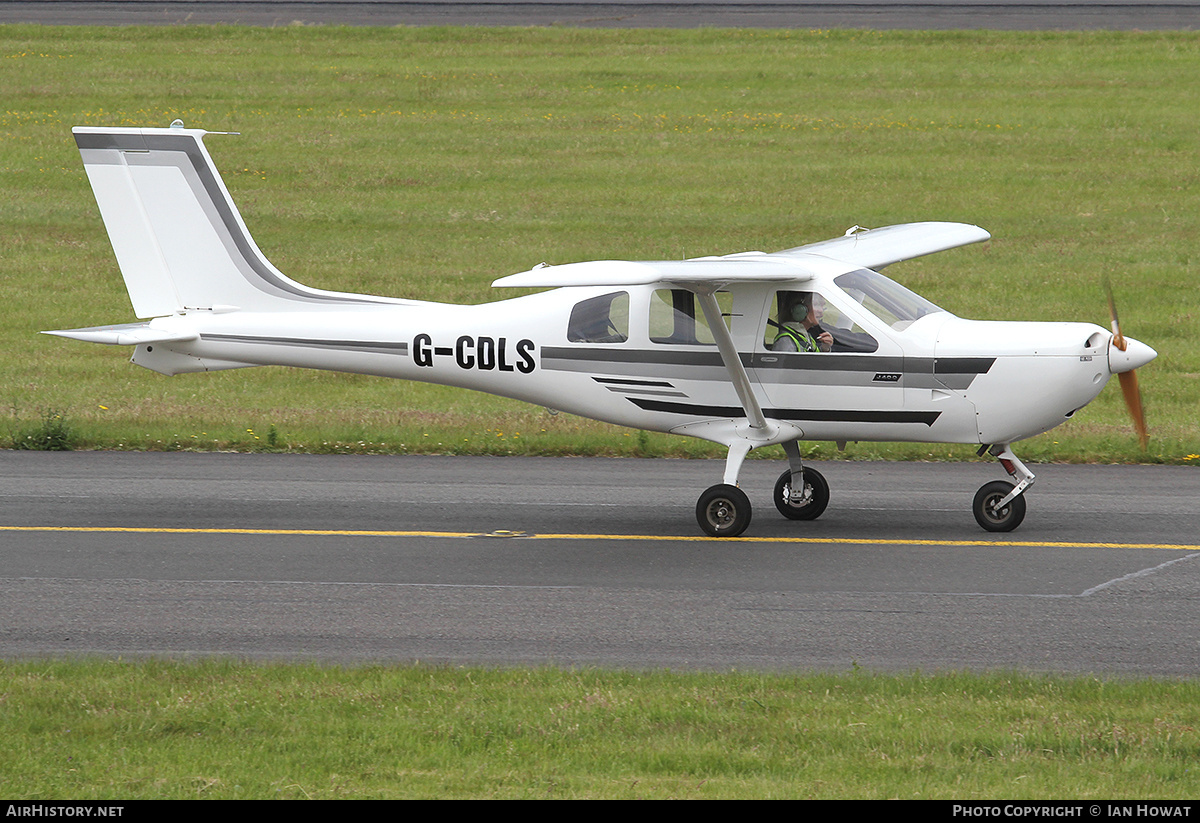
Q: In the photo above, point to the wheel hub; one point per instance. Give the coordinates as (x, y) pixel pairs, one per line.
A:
(720, 513)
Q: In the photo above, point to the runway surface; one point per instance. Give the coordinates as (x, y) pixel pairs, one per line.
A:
(804, 14)
(591, 562)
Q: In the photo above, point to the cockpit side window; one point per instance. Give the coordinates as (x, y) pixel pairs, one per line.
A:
(603, 319)
(677, 319)
(799, 318)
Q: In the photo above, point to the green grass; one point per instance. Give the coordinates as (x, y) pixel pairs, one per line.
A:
(120, 730)
(424, 162)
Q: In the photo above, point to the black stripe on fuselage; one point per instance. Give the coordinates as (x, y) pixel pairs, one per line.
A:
(622, 382)
(646, 388)
(377, 346)
(665, 357)
(816, 415)
(563, 356)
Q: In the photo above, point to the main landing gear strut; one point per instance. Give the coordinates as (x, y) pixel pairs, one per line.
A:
(802, 494)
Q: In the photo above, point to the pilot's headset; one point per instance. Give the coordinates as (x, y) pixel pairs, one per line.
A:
(801, 303)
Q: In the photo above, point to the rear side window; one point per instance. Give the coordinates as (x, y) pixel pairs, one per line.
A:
(676, 319)
(603, 319)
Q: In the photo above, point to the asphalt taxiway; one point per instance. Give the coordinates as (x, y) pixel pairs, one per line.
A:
(591, 561)
(804, 14)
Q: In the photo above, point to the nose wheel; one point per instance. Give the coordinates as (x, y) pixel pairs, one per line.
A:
(992, 513)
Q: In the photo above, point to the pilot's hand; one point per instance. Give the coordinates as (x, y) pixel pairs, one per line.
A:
(825, 341)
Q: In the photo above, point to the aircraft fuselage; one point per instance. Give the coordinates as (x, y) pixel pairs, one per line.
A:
(940, 379)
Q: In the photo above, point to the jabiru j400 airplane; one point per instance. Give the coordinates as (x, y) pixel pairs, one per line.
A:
(745, 350)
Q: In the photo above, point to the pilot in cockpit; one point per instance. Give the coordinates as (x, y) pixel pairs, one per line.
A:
(800, 314)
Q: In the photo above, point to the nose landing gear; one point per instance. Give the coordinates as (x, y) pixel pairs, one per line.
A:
(999, 505)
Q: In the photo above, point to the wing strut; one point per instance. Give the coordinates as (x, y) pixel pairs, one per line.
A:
(733, 362)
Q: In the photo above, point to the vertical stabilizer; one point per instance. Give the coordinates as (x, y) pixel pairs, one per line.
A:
(178, 237)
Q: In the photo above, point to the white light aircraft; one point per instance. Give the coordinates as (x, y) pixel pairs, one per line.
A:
(745, 350)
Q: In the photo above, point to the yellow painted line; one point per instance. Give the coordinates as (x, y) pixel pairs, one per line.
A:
(852, 541)
(292, 532)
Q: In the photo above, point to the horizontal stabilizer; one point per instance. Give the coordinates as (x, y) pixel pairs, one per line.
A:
(707, 272)
(127, 334)
(877, 248)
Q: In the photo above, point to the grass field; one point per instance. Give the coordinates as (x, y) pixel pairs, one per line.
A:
(154, 730)
(425, 162)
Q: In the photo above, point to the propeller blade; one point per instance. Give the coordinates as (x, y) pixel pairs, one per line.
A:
(1133, 400)
(1118, 338)
(1129, 381)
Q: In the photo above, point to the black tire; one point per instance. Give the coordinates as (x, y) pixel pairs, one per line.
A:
(723, 511)
(817, 493)
(1004, 520)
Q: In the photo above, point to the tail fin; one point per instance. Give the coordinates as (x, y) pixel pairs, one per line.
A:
(178, 237)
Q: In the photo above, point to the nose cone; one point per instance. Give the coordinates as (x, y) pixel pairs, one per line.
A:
(1136, 355)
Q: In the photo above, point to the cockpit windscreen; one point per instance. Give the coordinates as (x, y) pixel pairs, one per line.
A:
(885, 298)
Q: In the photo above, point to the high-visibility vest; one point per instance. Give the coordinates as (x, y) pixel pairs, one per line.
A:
(802, 339)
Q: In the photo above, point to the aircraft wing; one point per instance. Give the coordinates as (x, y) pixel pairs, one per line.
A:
(708, 273)
(865, 248)
(125, 334)
(877, 248)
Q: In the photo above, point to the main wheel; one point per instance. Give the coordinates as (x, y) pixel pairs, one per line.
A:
(816, 496)
(1004, 519)
(723, 511)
